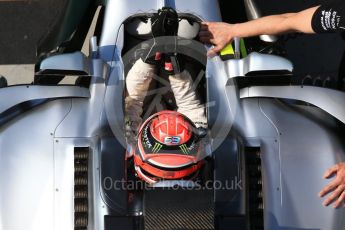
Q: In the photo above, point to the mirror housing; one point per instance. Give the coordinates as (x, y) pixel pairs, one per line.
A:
(71, 64)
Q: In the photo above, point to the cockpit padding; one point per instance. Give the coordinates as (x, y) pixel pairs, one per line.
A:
(141, 28)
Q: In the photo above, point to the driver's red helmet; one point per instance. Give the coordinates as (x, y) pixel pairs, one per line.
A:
(168, 148)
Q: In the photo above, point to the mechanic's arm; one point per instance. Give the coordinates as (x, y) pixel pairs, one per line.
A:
(336, 188)
(220, 34)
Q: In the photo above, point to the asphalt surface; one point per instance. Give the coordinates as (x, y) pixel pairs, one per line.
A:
(22, 25)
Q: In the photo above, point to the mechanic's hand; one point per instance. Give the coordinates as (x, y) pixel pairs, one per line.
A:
(336, 188)
(216, 33)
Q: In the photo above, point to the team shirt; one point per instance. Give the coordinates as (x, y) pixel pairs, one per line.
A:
(329, 17)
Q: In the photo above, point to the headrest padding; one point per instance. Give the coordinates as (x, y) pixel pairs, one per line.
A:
(139, 28)
(188, 30)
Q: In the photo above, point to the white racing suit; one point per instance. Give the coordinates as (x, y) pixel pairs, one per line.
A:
(138, 81)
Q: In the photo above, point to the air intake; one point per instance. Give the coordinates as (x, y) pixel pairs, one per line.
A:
(81, 162)
(256, 203)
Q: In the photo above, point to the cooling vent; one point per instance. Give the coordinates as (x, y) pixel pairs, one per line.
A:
(81, 162)
(256, 204)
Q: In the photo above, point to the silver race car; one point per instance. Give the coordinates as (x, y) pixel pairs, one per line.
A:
(64, 158)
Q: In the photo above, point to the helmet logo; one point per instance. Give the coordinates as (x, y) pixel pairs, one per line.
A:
(184, 149)
(174, 140)
(157, 147)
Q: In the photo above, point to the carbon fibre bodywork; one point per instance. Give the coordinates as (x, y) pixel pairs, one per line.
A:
(296, 129)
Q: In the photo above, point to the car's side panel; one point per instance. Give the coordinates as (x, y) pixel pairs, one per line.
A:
(295, 154)
(18, 94)
(329, 100)
(27, 168)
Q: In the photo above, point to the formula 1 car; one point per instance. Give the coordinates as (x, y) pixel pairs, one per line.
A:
(63, 152)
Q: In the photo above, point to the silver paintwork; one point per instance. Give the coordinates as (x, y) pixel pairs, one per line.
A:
(298, 142)
(326, 99)
(237, 52)
(18, 94)
(74, 62)
(93, 47)
(27, 175)
(256, 62)
(294, 160)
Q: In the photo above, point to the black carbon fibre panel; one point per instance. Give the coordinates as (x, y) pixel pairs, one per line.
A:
(166, 209)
